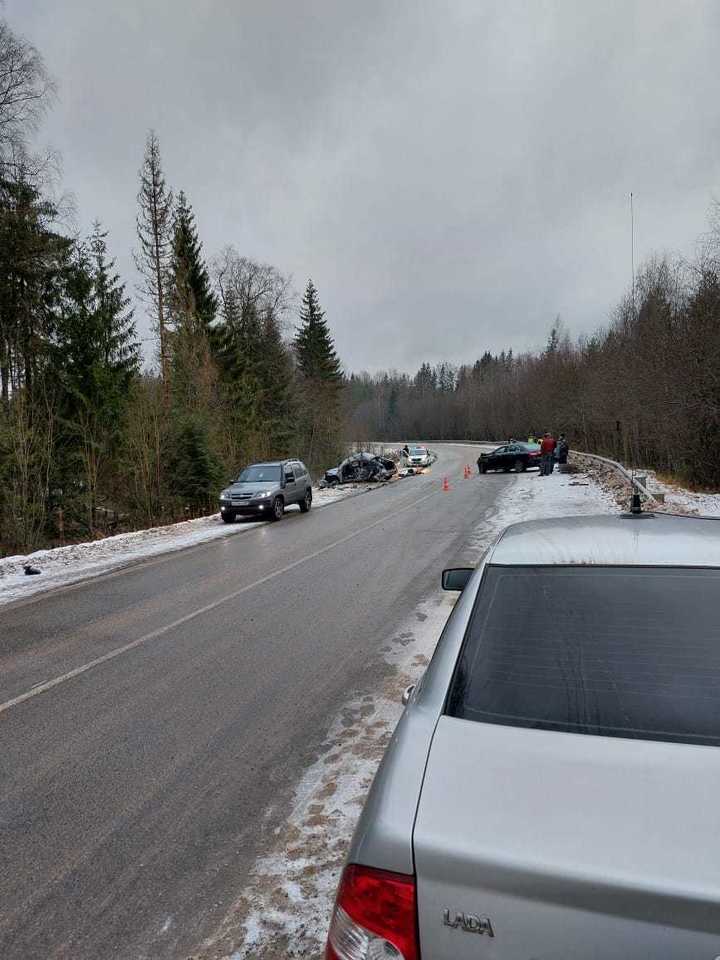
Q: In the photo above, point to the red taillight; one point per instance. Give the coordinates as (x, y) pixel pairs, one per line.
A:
(374, 910)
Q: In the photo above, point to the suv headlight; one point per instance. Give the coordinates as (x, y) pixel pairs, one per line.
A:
(264, 493)
(225, 495)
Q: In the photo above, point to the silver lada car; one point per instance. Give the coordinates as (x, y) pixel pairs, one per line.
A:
(552, 791)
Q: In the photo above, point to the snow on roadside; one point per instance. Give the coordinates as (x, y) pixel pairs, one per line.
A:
(533, 497)
(285, 908)
(62, 566)
(80, 561)
(687, 501)
(677, 499)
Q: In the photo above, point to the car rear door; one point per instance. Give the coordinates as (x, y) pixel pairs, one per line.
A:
(290, 484)
(301, 480)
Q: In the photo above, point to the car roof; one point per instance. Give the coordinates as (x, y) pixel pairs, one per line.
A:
(611, 540)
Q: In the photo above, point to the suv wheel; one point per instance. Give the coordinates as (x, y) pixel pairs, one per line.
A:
(306, 501)
(228, 517)
(278, 508)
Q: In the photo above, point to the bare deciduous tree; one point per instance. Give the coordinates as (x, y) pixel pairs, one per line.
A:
(251, 285)
(25, 93)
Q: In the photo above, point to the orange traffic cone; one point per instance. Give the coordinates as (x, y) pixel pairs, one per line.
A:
(445, 484)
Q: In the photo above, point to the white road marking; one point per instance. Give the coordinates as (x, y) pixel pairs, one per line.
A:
(118, 651)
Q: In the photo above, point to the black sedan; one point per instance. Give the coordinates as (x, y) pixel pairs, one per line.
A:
(511, 456)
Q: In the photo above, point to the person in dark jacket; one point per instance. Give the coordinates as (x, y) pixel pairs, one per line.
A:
(547, 455)
(562, 449)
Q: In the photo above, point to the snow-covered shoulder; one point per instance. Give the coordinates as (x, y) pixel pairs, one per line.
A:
(686, 501)
(62, 566)
(80, 561)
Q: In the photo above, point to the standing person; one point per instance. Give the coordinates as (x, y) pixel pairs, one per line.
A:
(562, 450)
(547, 452)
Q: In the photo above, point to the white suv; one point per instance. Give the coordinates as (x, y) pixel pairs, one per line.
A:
(418, 457)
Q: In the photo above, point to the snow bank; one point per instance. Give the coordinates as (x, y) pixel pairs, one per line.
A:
(285, 908)
(532, 497)
(80, 561)
(677, 499)
(685, 501)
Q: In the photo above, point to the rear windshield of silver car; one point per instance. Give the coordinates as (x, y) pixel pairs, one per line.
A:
(611, 651)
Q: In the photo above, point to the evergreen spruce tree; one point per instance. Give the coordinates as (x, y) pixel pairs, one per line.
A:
(277, 403)
(314, 347)
(191, 295)
(33, 259)
(320, 381)
(95, 359)
(192, 308)
(197, 472)
(113, 318)
(96, 353)
(237, 346)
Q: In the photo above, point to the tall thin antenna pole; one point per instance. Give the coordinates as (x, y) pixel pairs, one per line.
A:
(632, 249)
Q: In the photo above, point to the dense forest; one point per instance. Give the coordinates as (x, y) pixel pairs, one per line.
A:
(97, 435)
(645, 389)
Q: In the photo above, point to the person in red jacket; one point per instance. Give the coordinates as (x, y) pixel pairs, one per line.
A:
(547, 451)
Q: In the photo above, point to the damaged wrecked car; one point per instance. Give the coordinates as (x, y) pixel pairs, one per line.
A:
(361, 467)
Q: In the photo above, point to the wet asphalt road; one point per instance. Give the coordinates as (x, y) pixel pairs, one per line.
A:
(135, 796)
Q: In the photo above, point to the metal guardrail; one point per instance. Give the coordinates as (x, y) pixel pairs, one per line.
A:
(635, 482)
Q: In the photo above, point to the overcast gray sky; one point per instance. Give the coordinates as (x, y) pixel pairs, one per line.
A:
(452, 174)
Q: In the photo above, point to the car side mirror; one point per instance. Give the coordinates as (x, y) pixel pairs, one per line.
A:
(456, 578)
